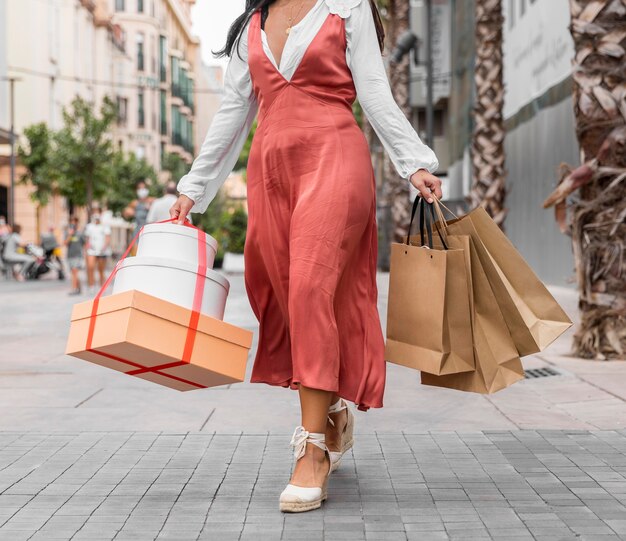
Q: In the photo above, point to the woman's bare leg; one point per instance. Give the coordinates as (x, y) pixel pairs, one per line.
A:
(91, 270)
(312, 468)
(102, 261)
(75, 279)
(333, 433)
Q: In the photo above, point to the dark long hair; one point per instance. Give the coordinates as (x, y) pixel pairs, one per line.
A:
(236, 29)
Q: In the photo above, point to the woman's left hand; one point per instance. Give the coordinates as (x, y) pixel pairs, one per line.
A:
(427, 184)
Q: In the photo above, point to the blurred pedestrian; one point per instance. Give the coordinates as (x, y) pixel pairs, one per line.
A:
(49, 241)
(5, 229)
(97, 247)
(12, 255)
(138, 208)
(160, 208)
(75, 243)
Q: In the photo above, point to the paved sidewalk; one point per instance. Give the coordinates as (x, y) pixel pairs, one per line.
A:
(48, 391)
(514, 485)
(88, 453)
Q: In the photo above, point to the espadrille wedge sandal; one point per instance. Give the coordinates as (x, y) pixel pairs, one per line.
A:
(347, 436)
(295, 499)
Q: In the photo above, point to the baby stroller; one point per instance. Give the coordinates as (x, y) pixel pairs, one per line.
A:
(48, 257)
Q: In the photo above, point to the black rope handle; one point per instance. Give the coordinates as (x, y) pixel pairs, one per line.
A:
(425, 222)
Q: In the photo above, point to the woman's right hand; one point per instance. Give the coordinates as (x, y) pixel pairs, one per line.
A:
(181, 208)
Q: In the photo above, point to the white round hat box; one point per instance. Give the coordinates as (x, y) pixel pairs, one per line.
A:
(174, 241)
(173, 281)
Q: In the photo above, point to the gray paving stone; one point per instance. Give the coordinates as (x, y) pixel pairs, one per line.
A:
(140, 462)
(196, 487)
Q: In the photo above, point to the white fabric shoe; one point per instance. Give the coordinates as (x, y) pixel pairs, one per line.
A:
(347, 437)
(295, 499)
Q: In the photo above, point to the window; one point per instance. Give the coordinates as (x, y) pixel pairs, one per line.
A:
(140, 152)
(154, 110)
(176, 126)
(122, 110)
(163, 112)
(120, 5)
(163, 58)
(140, 52)
(175, 77)
(439, 121)
(4, 201)
(140, 6)
(141, 113)
(153, 55)
(190, 91)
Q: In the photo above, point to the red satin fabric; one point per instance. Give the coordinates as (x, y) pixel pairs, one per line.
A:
(311, 245)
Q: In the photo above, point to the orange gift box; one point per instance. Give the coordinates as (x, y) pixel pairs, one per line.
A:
(153, 339)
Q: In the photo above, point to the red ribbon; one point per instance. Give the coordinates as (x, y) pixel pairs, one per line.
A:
(194, 318)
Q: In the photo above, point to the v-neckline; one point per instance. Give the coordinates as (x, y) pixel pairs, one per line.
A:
(276, 64)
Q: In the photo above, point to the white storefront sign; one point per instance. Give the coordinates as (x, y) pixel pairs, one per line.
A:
(538, 49)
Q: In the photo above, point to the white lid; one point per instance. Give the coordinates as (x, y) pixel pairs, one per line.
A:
(176, 229)
(141, 261)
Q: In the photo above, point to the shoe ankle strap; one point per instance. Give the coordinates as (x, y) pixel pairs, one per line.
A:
(301, 437)
(338, 406)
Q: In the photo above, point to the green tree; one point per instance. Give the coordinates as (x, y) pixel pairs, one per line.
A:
(175, 165)
(35, 155)
(211, 222)
(126, 171)
(234, 228)
(84, 152)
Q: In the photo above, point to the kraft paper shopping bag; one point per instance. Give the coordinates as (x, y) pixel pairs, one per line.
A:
(496, 359)
(428, 311)
(532, 314)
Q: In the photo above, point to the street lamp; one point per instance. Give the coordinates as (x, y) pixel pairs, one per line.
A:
(407, 42)
(12, 81)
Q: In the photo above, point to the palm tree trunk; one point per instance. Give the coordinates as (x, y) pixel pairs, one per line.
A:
(396, 189)
(488, 183)
(596, 218)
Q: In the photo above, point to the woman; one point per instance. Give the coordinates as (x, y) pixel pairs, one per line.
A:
(310, 252)
(13, 256)
(75, 243)
(138, 209)
(98, 248)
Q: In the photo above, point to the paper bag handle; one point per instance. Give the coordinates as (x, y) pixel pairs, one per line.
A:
(425, 222)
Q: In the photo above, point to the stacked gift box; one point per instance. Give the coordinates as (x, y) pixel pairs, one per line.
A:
(163, 321)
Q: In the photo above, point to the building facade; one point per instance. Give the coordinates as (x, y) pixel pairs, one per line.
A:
(140, 53)
(160, 105)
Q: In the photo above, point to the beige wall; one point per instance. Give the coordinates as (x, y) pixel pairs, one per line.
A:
(57, 51)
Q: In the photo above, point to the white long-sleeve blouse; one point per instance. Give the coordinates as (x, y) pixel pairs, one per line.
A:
(232, 122)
